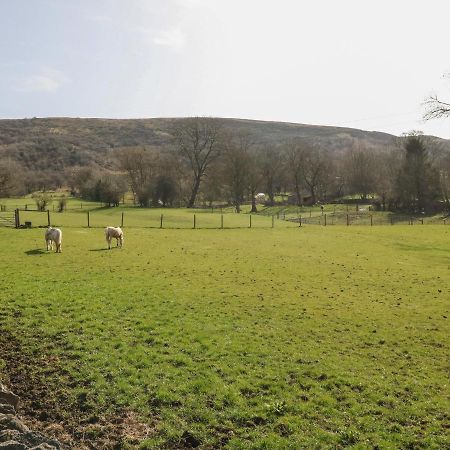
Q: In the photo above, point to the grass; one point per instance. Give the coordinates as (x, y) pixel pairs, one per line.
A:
(149, 218)
(245, 339)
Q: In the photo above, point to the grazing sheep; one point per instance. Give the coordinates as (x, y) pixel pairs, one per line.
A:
(260, 197)
(114, 232)
(53, 235)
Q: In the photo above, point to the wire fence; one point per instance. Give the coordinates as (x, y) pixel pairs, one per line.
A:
(367, 219)
(186, 219)
(142, 218)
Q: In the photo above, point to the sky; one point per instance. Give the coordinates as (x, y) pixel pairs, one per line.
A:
(367, 64)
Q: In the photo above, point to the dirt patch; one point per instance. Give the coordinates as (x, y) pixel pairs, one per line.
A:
(44, 388)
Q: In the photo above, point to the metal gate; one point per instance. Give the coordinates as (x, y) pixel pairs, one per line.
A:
(7, 219)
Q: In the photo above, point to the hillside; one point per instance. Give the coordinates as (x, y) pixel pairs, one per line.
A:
(57, 143)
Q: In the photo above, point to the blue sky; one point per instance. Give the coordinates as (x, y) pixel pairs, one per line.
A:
(364, 64)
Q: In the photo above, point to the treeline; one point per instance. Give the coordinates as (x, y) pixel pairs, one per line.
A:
(205, 164)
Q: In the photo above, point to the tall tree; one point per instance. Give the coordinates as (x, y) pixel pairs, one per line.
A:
(10, 178)
(387, 168)
(444, 179)
(140, 165)
(315, 167)
(271, 163)
(294, 158)
(417, 181)
(236, 162)
(198, 139)
(360, 170)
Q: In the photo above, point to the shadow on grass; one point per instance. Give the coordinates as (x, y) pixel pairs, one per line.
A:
(36, 251)
(99, 249)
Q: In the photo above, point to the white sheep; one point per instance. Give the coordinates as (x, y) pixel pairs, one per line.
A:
(53, 235)
(114, 232)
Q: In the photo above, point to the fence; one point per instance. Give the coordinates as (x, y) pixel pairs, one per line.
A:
(7, 219)
(186, 219)
(366, 219)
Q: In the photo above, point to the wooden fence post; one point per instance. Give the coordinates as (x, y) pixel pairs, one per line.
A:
(48, 217)
(194, 221)
(250, 221)
(121, 224)
(17, 218)
(161, 222)
(273, 221)
(348, 222)
(325, 218)
(371, 220)
(88, 219)
(221, 221)
(300, 221)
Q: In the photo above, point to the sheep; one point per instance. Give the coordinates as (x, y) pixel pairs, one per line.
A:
(114, 232)
(53, 235)
(260, 197)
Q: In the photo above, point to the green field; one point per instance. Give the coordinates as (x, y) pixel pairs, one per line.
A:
(284, 338)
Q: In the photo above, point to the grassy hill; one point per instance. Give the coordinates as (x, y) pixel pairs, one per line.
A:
(56, 143)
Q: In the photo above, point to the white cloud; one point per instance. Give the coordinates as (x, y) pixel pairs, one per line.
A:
(173, 37)
(46, 80)
(100, 19)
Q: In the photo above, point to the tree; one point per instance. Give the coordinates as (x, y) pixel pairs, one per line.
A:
(271, 163)
(111, 188)
(10, 178)
(42, 200)
(165, 190)
(436, 108)
(387, 168)
(360, 171)
(444, 180)
(236, 167)
(79, 177)
(254, 176)
(140, 165)
(315, 167)
(294, 150)
(417, 181)
(198, 139)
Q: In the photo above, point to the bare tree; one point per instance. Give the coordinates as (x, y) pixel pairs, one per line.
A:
(315, 167)
(236, 162)
(254, 176)
(294, 159)
(359, 165)
(387, 167)
(435, 107)
(198, 139)
(140, 165)
(10, 178)
(271, 164)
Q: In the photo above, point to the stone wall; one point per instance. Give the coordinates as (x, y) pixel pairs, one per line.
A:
(14, 434)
